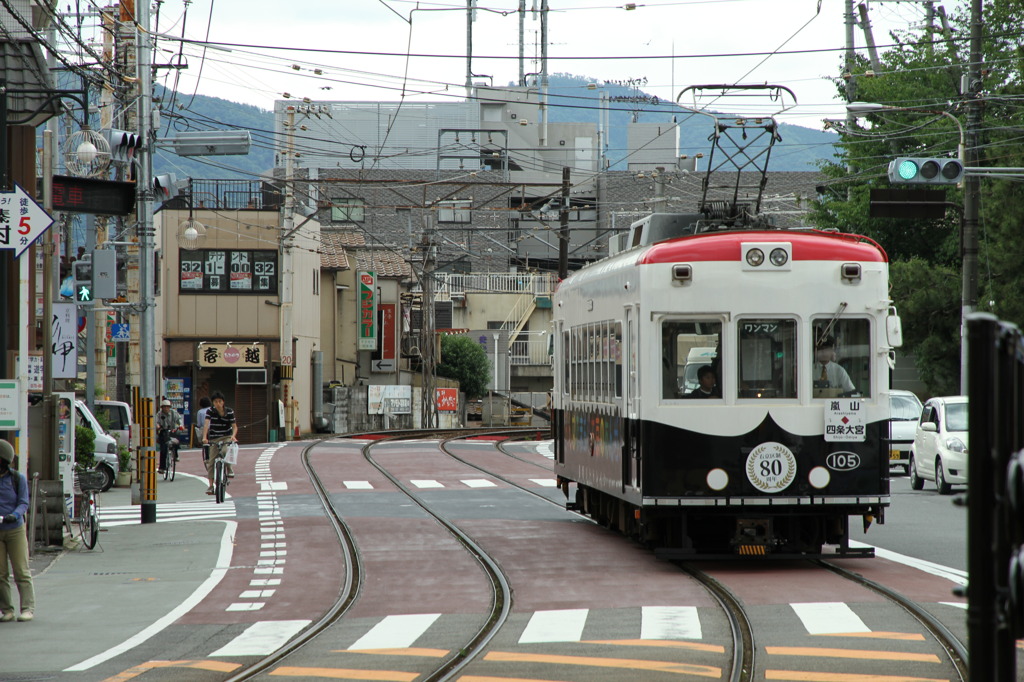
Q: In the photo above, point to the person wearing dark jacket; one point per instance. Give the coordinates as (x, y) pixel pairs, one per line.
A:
(13, 540)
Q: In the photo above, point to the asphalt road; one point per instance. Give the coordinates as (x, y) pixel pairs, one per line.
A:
(921, 524)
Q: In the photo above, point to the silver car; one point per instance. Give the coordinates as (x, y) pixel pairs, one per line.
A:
(904, 413)
(939, 452)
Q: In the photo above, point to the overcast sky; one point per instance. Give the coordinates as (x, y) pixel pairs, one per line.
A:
(640, 40)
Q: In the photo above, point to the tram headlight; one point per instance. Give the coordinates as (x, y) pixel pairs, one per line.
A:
(819, 477)
(778, 257)
(717, 479)
(755, 257)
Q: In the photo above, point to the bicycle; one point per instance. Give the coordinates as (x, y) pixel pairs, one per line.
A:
(91, 482)
(171, 461)
(220, 467)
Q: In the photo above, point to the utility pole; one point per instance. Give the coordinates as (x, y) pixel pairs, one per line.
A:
(286, 352)
(563, 230)
(147, 243)
(972, 188)
(848, 75)
(428, 333)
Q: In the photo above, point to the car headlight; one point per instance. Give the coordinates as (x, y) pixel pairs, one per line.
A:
(112, 448)
(956, 445)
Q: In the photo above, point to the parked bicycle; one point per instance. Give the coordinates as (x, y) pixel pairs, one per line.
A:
(91, 482)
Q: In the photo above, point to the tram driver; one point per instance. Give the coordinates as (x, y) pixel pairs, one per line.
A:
(831, 380)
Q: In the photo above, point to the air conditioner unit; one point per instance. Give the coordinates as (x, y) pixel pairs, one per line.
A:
(250, 377)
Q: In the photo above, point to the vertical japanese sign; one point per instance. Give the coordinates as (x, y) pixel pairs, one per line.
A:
(384, 358)
(63, 341)
(367, 310)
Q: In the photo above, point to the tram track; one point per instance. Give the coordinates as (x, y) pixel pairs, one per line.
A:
(743, 647)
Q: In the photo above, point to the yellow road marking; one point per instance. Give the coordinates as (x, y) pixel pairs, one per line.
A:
(345, 674)
(670, 643)
(627, 663)
(477, 678)
(900, 636)
(852, 653)
(803, 676)
(429, 653)
(215, 666)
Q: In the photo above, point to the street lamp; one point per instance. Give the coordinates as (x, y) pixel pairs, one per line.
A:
(864, 108)
(86, 153)
(968, 224)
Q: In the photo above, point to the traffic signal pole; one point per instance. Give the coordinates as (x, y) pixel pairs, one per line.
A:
(972, 187)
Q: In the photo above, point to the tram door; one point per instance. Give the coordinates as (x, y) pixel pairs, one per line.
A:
(630, 397)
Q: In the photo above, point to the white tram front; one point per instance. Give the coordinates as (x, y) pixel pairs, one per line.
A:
(726, 393)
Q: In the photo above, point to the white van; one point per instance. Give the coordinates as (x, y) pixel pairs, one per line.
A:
(105, 445)
(695, 359)
(119, 419)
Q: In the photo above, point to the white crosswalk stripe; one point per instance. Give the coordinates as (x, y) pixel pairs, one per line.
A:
(657, 623)
(166, 512)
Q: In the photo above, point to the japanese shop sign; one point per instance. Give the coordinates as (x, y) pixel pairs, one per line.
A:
(63, 341)
(232, 355)
(22, 220)
(447, 399)
(367, 311)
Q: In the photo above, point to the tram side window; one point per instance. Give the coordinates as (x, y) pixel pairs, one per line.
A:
(594, 366)
(842, 358)
(688, 346)
(767, 358)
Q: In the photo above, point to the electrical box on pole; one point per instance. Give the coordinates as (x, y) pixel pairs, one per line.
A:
(104, 273)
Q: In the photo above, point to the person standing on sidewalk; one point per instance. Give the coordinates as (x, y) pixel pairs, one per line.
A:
(13, 540)
(220, 424)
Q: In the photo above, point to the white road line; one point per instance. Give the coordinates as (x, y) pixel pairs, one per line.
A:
(670, 622)
(200, 593)
(479, 483)
(426, 483)
(545, 482)
(954, 575)
(555, 626)
(396, 632)
(262, 638)
(245, 606)
(358, 485)
(828, 618)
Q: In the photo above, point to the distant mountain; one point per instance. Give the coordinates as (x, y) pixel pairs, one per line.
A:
(570, 99)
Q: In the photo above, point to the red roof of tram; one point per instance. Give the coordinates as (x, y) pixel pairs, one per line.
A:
(726, 246)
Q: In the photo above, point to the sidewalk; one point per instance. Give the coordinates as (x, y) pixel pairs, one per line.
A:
(138, 579)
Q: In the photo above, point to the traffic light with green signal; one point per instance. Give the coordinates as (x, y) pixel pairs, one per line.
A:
(926, 171)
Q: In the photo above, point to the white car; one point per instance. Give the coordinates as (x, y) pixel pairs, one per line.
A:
(904, 413)
(105, 445)
(939, 452)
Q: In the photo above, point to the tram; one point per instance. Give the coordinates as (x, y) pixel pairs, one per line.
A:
(783, 443)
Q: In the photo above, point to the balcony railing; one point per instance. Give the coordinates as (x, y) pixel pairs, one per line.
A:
(448, 285)
(531, 348)
(230, 195)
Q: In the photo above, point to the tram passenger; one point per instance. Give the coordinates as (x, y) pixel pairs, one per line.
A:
(708, 387)
(830, 378)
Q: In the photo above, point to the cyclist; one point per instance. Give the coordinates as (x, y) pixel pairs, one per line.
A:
(219, 430)
(167, 421)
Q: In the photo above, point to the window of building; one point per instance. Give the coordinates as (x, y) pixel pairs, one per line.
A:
(767, 358)
(348, 210)
(456, 211)
(214, 271)
(841, 358)
(691, 349)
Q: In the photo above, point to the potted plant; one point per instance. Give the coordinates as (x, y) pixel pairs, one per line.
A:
(124, 465)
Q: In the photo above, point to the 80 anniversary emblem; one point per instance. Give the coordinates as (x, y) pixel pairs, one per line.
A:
(771, 467)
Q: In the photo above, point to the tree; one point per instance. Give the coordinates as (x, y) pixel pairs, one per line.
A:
(465, 360)
(923, 73)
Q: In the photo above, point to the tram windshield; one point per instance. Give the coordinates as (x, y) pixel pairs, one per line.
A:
(691, 359)
(842, 358)
(767, 358)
